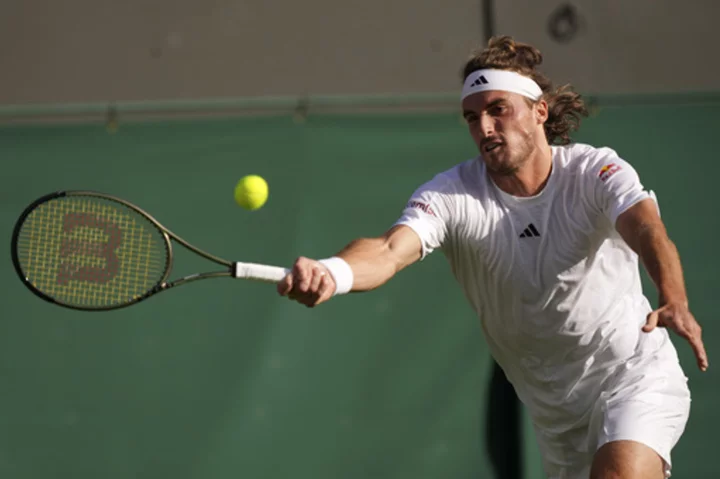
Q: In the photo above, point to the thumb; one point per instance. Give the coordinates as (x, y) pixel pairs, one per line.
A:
(652, 321)
(285, 285)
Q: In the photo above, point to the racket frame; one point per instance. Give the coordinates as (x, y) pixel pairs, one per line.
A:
(167, 235)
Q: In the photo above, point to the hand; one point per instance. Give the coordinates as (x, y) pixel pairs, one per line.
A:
(678, 317)
(309, 283)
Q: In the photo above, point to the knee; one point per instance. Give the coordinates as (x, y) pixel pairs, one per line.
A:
(604, 467)
(609, 474)
(626, 460)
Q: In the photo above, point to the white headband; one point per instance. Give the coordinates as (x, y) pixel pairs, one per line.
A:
(485, 80)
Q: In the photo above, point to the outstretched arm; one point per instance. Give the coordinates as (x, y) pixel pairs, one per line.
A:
(643, 230)
(371, 261)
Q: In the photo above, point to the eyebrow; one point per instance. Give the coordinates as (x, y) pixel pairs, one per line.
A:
(496, 102)
(489, 105)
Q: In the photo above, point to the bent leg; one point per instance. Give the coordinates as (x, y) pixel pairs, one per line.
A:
(640, 421)
(627, 460)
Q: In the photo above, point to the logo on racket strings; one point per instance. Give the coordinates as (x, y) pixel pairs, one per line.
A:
(75, 251)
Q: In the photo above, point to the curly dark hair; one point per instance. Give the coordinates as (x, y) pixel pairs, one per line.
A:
(565, 107)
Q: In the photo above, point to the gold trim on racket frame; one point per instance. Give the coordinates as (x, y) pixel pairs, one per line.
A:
(158, 286)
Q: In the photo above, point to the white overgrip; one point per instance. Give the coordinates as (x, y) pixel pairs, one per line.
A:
(260, 272)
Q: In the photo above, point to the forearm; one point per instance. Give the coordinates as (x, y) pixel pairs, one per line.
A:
(662, 262)
(371, 261)
(375, 260)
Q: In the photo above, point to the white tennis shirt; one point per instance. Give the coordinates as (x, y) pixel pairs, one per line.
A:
(556, 288)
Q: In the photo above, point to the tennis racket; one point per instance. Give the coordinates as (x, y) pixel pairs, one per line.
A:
(90, 251)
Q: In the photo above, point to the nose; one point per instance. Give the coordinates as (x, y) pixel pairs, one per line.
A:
(487, 126)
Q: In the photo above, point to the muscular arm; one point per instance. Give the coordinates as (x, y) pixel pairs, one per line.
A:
(375, 260)
(643, 230)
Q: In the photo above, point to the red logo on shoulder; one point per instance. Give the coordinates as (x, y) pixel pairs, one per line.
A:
(422, 207)
(608, 170)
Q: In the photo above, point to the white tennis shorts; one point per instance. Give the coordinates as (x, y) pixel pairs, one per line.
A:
(649, 402)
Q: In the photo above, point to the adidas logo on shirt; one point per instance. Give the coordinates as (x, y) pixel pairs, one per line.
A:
(480, 81)
(530, 232)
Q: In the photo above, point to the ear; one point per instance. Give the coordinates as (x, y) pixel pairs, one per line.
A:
(541, 111)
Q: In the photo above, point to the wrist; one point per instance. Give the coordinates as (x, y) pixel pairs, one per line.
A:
(680, 299)
(341, 272)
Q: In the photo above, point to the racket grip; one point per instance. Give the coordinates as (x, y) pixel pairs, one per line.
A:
(260, 272)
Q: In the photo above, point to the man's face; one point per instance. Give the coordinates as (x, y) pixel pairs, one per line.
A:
(504, 128)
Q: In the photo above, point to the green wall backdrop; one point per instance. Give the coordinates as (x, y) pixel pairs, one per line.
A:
(224, 379)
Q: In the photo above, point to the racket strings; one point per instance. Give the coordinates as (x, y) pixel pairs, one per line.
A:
(91, 252)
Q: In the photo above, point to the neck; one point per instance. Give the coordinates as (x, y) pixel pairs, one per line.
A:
(530, 178)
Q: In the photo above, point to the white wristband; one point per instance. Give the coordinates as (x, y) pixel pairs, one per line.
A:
(341, 272)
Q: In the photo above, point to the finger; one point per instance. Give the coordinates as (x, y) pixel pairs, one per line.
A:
(302, 280)
(686, 327)
(327, 288)
(679, 328)
(286, 284)
(664, 321)
(317, 277)
(652, 321)
(702, 359)
(698, 347)
(312, 295)
(308, 299)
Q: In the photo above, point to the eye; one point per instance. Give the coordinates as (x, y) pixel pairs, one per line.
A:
(471, 118)
(498, 109)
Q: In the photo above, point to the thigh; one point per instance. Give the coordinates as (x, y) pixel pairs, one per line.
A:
(653, 420)
(648, 415)
(648, 404)
(627, 460)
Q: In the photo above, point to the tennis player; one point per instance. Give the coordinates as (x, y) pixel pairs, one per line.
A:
(545, 236)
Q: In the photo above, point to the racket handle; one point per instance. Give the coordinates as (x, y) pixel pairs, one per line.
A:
(260, 272)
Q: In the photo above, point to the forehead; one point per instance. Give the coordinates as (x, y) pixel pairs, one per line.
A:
(481, 100)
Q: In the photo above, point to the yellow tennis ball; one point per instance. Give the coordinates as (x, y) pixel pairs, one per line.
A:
(251, 192)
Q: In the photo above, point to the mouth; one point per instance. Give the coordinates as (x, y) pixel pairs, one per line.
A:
(492, 146)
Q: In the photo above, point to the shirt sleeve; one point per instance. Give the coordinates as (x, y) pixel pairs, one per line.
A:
(617, 185)
(428, 214)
